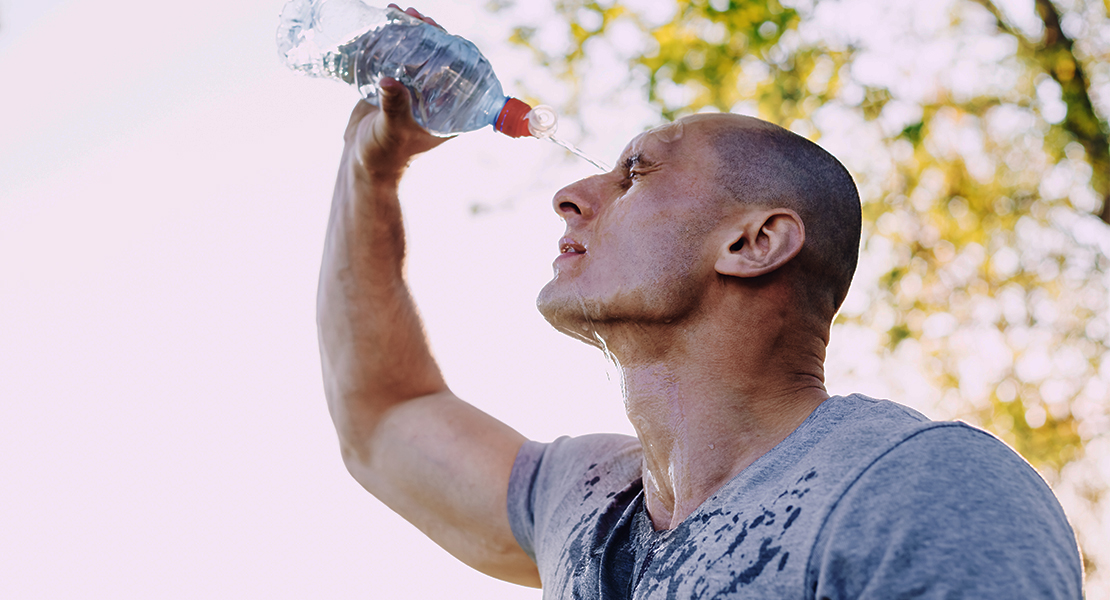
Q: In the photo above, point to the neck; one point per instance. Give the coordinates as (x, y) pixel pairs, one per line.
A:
(711, 405)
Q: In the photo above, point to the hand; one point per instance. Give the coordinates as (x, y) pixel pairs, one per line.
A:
(412, 12)
(384, 141)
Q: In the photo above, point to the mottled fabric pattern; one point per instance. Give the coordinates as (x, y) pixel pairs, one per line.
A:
(866, 499)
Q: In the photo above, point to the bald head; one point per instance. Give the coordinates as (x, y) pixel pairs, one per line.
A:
(765, 165)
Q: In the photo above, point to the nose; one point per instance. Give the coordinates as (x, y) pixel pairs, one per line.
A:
(576, 201)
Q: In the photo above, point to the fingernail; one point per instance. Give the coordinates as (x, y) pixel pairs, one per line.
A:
(389, 85)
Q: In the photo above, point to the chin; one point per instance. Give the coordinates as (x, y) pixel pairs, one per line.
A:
(560, 306)
(569, 312)
(581, 314)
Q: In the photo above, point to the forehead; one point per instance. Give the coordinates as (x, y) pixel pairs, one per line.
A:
(683, 138)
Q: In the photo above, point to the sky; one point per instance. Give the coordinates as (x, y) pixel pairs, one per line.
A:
(164, 187)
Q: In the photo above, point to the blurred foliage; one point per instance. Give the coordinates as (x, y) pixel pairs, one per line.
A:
(983, 165)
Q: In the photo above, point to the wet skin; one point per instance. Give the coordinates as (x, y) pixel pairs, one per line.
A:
(683, 288)
(638, 244)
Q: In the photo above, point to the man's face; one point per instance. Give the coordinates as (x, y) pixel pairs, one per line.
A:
(638, 245)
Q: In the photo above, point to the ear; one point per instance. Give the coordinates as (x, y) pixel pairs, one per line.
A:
(761, 241)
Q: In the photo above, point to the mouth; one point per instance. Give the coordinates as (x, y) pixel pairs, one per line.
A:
(571, 247)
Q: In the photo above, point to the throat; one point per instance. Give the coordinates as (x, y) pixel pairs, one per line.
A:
(695, 439)
(676, 489)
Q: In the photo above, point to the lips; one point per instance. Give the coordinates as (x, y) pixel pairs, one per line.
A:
(569, 246)
(570, 251)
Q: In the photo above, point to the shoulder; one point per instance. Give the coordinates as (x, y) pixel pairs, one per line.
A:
(946, 509)
(867, 414)
(955, 464)
(554, 484)
(568, 459)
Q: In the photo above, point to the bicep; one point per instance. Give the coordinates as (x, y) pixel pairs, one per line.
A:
(444, 466)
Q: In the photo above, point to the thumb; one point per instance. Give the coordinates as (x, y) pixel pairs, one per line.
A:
(396, 103)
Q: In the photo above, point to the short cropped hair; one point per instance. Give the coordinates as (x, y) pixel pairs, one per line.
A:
(766, 165)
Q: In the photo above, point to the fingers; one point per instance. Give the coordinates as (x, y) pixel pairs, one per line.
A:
(360, 111)
(412, 12)
(396, 103)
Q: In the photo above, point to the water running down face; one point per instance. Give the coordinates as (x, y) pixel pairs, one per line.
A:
(641, 240)
(634, 248)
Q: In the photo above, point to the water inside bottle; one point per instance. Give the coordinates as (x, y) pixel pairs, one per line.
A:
(451, 84)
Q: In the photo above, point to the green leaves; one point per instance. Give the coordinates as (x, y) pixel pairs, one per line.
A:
(982, 164)
(968, 179)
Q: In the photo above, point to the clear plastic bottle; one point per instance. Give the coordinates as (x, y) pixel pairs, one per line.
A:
(452, 85)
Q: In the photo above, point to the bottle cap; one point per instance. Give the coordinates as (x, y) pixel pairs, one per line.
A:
(543, 121)
(513, 120)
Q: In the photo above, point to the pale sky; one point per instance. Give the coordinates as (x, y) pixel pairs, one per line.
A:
(164, 186)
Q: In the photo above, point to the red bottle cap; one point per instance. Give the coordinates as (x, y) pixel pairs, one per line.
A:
(513, 120)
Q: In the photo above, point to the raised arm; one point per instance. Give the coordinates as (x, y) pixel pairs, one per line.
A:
(437, 461)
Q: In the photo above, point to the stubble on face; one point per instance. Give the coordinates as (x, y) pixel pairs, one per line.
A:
(650, 268)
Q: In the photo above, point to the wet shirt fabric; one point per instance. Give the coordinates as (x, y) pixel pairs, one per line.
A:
(866, 499)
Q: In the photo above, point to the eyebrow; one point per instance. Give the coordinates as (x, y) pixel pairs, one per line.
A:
(633, 160)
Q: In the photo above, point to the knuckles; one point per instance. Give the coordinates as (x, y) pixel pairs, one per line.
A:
(388, 136)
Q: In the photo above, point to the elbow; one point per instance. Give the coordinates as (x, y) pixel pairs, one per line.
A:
(358, 459)
(514, 567)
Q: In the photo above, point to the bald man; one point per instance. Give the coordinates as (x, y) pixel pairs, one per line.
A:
(710, 264)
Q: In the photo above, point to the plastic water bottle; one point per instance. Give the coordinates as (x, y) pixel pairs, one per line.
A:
(453, 87)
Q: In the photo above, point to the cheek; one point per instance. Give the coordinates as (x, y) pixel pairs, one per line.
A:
(634, 247)
(681, 256)
(663, 257)
(654, 247)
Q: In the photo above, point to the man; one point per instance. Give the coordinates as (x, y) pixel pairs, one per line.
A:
(709, 264)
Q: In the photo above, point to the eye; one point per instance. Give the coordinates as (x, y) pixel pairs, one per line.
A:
(629, 179)
(629, 168)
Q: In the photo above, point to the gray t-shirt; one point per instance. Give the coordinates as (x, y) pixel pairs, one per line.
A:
(866, 499)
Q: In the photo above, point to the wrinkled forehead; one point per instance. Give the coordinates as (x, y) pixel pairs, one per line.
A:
(664, 138)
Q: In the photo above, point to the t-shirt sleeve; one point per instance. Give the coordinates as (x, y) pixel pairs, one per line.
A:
(521, 483)
(546, 478)
(950, 512)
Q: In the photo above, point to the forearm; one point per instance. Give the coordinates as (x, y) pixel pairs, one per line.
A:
(373, 349)
(404, 436)
(439, 462)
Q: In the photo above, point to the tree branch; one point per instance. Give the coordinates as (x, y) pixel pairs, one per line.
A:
(1055, 54)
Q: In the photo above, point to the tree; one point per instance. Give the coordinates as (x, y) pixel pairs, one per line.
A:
(977, 133)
